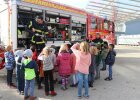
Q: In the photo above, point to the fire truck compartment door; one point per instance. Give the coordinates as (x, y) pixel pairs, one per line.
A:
(76, 19)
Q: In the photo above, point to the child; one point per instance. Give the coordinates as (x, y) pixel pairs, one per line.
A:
(30, 68)
(74, 76)
(19, 71)
(47, 59)
(83, 61)
(110, 60)
(94, 52)
(69, 46)
(64, 65)
(55, 73)
(9, 64)
(104, 54)
(34, 57)
(98, 61)
(40, 74)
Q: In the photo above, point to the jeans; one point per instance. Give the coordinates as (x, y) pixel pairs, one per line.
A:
(29, 84)
(82, 78)
(37, 78)
(41, 79)
(74, 79)
(20, 78)
(48, 77)
(104, 64)
(9, 77)
(110, 71)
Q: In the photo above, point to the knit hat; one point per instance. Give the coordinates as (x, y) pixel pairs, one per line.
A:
(19, 53)
(28, 53)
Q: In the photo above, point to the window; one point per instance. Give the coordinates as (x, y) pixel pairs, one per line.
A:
(106, 26)
(93, 23)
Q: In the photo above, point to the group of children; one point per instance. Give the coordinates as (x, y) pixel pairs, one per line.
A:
(79, 63)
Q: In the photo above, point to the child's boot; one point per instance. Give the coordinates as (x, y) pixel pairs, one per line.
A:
(25, 98)
(53, 93)
(32, 98)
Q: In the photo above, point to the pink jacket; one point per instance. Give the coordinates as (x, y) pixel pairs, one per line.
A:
(64, 64)
(83, 60)
(73, 62)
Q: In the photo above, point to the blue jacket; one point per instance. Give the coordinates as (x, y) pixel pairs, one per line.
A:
(110, 59)
(9, 60)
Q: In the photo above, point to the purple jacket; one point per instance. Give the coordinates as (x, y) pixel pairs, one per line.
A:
(64, 64)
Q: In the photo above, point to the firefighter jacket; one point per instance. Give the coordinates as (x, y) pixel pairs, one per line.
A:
(40, 29)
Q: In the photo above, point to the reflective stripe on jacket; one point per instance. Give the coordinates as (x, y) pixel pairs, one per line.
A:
(40, 29)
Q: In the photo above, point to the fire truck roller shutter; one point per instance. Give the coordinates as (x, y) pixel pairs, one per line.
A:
(79, 19)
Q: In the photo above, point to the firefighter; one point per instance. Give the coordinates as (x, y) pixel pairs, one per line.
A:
(98, 39)
(39, 31)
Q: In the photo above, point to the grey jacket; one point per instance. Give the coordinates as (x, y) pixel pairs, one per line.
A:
(48, 62)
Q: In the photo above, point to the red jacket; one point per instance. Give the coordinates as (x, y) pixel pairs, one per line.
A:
(73, 62)
(64, 64)
(34, 57)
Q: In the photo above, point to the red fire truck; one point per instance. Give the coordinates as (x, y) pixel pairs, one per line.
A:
(65, 23)
(100, 25)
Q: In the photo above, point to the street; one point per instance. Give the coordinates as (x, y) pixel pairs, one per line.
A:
(124, 86)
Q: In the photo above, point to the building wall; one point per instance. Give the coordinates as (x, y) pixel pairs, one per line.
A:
(133, 27)
(4, 24)
(120, 27)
